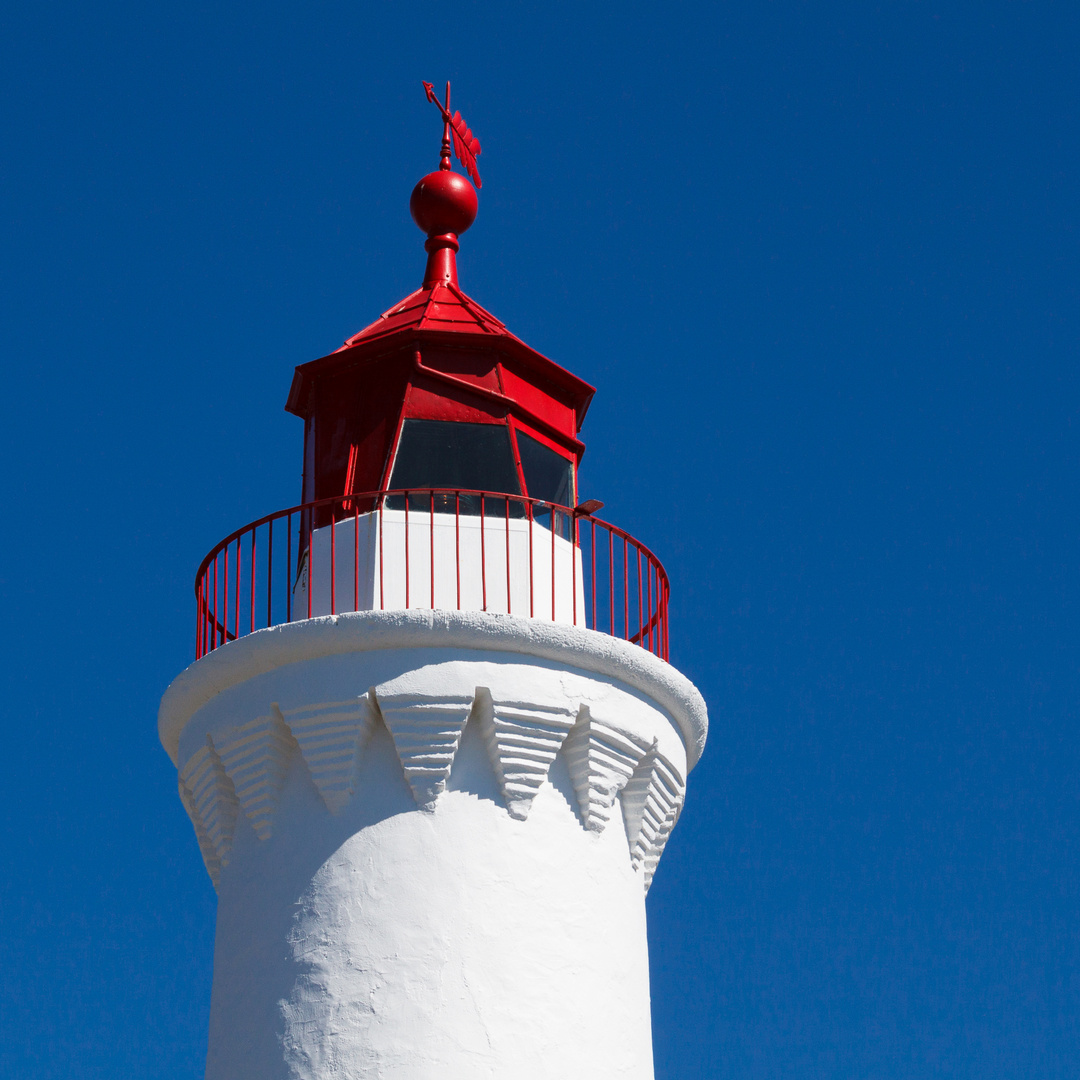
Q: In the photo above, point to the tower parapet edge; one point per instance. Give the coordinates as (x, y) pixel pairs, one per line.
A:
(431, 820)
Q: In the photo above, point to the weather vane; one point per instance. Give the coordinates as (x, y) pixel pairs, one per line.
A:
(466, 144)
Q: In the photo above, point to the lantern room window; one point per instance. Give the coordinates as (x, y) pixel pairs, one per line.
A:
(450, 454)
(462, 456)
(548, 475)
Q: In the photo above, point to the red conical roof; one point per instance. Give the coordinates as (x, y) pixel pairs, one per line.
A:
(436, 313)
(440, 306)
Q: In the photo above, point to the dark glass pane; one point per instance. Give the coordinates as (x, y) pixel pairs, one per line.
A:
(441, 453)
(548, 475)
(447, 454)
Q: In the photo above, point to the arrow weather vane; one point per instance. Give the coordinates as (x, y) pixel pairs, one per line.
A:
(466, 144)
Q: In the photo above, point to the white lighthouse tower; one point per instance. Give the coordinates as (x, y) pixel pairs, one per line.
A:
(431, 744)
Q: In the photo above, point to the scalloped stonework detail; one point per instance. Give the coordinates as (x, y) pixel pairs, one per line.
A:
(426, 731)
(651, 800)
(331, 736)
(206, 848)
(256, 758)
(245, 767)
(523, 740)
(601, 761)
(213, 801)
(652, 856)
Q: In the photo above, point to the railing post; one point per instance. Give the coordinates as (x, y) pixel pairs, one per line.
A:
(269, 572)
(640, 599)
(611, 581)
(225, 604)
(483, 553)
(215, 624)
(529, 520)
(551, 512)
(254, 533)
(236, 608)
(573, 566)
(333, 561)
(651, 620)
(288, 570)
(592, 553)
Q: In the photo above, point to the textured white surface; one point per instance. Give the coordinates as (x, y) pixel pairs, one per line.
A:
(386, 942)
(369, 631)
(210, 800)
(523, 738)
(329, 735)
(254, 756)
(426, 729)
(652, 800)
(602, 760)
(421, 864)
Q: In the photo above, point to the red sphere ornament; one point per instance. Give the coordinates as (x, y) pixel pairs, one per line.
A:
(443, 202)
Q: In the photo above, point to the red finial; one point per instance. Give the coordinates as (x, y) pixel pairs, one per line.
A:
(444, 203)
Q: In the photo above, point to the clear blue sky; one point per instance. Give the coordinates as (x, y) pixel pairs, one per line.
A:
(821, 262)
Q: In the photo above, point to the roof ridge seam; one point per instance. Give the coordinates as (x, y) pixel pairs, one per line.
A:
(469, 303)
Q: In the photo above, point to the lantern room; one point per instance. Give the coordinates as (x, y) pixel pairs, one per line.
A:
(437, 393)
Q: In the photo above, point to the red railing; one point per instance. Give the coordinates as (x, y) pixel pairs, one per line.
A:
(432, 548)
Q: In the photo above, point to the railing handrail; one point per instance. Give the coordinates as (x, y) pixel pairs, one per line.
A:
(653, 589)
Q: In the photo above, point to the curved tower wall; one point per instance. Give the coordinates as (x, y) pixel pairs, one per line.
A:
(431, 834)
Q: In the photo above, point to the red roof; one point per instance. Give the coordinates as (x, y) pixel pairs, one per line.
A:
(441, 312)
(441, 306)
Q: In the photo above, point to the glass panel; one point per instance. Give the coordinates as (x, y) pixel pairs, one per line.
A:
(447, 454)
(548, 475)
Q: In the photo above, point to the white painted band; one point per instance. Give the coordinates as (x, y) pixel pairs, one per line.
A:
(362, 631)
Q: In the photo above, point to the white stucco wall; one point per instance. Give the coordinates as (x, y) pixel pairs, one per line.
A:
(460, 562)
(431, 834)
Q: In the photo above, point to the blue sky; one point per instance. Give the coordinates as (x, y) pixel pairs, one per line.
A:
(821, 262)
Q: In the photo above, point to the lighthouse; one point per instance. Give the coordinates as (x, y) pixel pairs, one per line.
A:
(431, 743)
